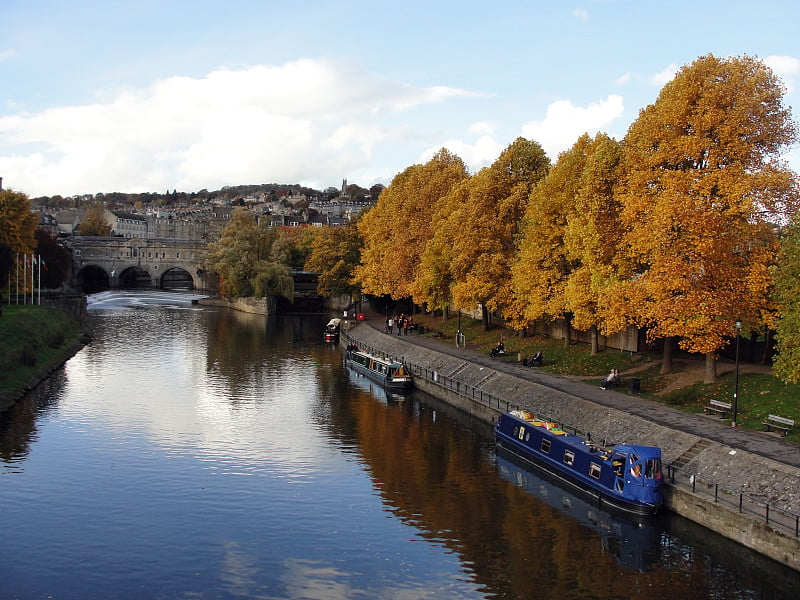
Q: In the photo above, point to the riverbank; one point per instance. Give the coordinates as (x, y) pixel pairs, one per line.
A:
(742, 484)
(34, 342)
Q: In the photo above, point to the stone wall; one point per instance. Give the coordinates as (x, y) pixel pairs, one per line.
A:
(484, 393)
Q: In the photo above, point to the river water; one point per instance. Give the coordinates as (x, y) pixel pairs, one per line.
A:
(192, 452)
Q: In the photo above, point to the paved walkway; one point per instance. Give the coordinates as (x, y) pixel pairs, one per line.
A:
(710, 427)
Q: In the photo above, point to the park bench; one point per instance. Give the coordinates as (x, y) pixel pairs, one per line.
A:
(718, 407)
(782, 424)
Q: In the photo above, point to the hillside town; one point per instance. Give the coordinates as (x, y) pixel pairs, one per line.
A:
(203, 216)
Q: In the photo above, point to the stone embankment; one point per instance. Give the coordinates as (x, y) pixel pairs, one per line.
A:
(743, 485)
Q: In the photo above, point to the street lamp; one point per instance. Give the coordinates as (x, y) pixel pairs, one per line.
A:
(736, 380)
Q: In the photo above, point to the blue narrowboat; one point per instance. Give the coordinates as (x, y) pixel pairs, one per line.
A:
(390, 374)
(627, 477)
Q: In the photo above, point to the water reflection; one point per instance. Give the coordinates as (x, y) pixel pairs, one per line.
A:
(196, 452)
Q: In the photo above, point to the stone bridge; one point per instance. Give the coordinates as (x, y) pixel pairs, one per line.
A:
(103, 263)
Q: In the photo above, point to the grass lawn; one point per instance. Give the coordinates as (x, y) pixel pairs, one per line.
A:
(760, 394)
(33, 338)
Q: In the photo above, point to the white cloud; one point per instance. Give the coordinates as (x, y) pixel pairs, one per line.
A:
(6, 54)
(785, 67)
(665, 75)
(581, 14)
(264, 123)
(564, 123)
(476, 155)
(623, 79)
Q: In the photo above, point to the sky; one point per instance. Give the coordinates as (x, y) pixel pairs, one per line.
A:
(161, 95)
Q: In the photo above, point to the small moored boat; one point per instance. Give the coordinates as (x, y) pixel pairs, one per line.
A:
(332, 330)
(389, 373)
(627, 476)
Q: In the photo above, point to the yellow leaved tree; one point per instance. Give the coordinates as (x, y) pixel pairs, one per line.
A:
(397, 229)
(702, 180)
(477, 229)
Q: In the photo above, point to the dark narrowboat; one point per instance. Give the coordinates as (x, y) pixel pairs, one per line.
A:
(389, 373)
(627, 477)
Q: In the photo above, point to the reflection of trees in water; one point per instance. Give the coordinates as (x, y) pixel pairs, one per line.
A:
(247, 350)
(18, 423)
(438, 475)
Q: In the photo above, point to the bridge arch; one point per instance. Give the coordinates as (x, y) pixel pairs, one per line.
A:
(134, 278)
(92, 278)
(177, 278)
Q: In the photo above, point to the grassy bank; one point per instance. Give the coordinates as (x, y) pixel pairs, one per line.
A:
(34, 340)
(760, 394)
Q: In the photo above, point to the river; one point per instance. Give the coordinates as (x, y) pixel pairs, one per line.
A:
(199, 453)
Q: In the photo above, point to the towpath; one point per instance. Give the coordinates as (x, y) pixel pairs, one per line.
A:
(768, 445)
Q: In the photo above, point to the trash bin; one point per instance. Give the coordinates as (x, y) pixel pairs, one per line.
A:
(634, 385)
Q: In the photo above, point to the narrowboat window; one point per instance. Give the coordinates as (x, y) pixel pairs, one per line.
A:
(594, 470)
(546, 446)
(652, 469)
(633, 458)
(516, 431)
(617, 465)
(569, 457)
(521, 432)
(636, 470)
(528, 436)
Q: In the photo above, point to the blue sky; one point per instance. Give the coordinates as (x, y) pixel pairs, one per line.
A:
(149, 96)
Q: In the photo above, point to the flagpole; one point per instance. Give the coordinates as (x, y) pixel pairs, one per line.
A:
(33, 286)
(39, 284)
(16, 274)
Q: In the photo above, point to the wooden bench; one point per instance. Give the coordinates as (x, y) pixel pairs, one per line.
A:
(718, 407)
(782, 424)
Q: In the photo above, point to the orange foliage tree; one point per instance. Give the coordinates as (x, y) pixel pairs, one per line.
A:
(397, 229)
(702, 179)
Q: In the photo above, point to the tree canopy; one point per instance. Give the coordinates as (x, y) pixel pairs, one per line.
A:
(702, 177)
(397, 229)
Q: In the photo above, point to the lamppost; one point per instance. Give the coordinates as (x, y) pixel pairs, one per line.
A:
(458, 333)
(736, 379)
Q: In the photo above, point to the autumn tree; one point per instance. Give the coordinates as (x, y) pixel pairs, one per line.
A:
(702, 176)
(94, 223)
(592, 234)
(335, 253)
(786, 293)
(397, 229)
(476, 231)
(57, 260)
(17, 228)
(542, 267)
(243, 260)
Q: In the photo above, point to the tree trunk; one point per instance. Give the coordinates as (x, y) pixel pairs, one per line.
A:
(567, 329)
(485, 317)
(711, 369)
(666, 358)
(446, 313)
(595, 340)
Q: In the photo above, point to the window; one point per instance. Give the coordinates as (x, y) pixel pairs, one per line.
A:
(521, 433)
(569, 457)
(652, 469)
(594, 470)
(546, 446)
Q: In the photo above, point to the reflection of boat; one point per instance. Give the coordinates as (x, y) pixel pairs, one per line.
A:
(390, 374)
(332, 330)
(374, 388)
(633, 540)
(627, 476)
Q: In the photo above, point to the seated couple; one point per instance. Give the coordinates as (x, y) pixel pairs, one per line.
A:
(611, 380)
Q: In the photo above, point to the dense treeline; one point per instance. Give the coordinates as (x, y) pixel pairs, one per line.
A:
(674, 229)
